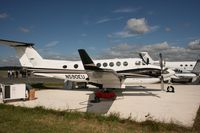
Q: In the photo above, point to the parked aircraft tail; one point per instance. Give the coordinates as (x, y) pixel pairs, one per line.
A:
(196, 68)
(28, 56)
(146, 58)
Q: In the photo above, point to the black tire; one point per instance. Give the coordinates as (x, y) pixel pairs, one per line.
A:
(170, 89)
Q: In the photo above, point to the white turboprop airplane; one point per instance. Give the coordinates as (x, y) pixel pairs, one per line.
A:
(184, 70)
(74, 71)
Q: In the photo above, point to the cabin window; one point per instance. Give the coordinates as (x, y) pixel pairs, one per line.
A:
(111, 64)
(76, 66)
(64, 66)
(181, 65)
(191, 65)
(125, 63)
(118, 63)
(98, 64)
(105, 64)
(186, 65)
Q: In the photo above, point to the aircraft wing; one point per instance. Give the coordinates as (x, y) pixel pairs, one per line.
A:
(11, 68)
(43, 70)
(14, 43)
(55, 71)
(106, 78)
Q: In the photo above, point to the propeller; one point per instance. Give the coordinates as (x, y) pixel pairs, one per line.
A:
(147, 61)
(161, 72)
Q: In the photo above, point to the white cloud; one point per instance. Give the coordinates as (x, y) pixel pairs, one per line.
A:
(127, 10)
(24, 30)
(158, 46)
(104, 20)
(134, 27)
(49, 51)
(3, 15)
(167, 29)
(169, 52)
(122, 47)
(137, 26)
(52, 44)
(9, 61)
(194, 45)
(122, 34)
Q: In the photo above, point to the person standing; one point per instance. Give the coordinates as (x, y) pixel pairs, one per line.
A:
(13, 74)
(9, 73)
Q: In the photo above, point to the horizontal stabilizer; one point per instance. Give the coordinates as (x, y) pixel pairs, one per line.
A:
(15, 43)
(11, 68)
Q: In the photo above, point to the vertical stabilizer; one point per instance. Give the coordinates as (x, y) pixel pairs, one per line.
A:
(196, 68)
(28, 56)
(146, 58)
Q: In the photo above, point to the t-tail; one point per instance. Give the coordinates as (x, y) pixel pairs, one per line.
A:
(28, 56)
(196, 69)
(146, 58)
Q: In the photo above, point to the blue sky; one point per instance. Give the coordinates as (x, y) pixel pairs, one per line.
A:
(106, 28)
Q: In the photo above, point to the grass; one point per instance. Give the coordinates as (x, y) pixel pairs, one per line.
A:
(23, 120)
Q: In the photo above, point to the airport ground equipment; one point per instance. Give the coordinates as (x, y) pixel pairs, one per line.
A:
(13, 92)
(104, 94)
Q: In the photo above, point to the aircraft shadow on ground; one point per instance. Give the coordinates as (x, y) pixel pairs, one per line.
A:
(104, 105)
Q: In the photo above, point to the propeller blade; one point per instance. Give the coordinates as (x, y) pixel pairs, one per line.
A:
(161, 72)
(147, 61)
(161, 63)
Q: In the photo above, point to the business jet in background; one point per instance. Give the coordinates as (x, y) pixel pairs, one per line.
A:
(185, 71)
(73, 71)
